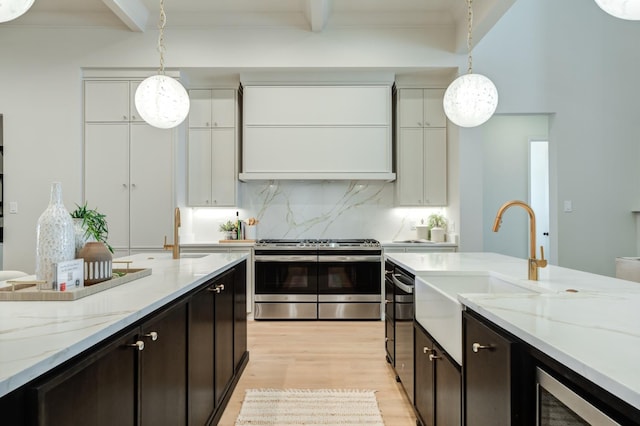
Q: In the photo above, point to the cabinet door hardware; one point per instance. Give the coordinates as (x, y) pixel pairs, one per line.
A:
(426, 350)
(433, 357)
(138, 345)
(476, 347)
(153, 335)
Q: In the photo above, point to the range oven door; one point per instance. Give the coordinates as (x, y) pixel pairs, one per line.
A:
(349, 285)
(286, 285)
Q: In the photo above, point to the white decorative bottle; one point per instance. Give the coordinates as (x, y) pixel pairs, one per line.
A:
(55, 237)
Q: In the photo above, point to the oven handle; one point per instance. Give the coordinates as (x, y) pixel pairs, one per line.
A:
(338, 258)
(284, 258)
(402, 286)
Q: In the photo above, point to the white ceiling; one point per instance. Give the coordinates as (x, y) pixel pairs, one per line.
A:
(315, 15)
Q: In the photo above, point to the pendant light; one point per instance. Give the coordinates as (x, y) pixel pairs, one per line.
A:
(161, 100)
(11, 9)
(470, 99)
(623, 9)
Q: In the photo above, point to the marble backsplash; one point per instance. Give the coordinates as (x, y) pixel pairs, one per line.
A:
(309, 209)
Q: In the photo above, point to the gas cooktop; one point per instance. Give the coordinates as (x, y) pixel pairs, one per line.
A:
(318, 243)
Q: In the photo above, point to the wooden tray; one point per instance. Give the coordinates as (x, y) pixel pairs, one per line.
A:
(29, 290)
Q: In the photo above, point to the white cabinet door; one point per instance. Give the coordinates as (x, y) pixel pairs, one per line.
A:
(200, 108)
(223, 108)
(410, 180)
(434, 115)
(223, 167)
(435, 167)
(212, 108)
(199, 166)
(106, 101)
(421, 108)
(212, 167)
(411, 107)
(106, 183)
(110, 101)
(151, 175)
(135, 115)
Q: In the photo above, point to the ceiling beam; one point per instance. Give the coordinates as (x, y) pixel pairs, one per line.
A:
(133, 13)
(317, 13)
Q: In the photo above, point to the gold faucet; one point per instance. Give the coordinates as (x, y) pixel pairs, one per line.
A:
(534, 263)
(175, 247)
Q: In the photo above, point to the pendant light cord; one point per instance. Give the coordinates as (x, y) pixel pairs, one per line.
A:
(161, 48)
(469, 37)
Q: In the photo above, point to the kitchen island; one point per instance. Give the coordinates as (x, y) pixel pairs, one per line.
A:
(583, 324)
(43, 339)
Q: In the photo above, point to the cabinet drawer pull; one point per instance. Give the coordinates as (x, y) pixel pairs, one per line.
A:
(433, 357)
(426, 350)
(476, 347)
(153, 335)
(216, 289)
(138, 345)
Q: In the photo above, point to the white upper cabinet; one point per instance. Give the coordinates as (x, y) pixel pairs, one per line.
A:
(422, 108)
(110, 101)
(212, 148)
(421, 149)
(212, 108)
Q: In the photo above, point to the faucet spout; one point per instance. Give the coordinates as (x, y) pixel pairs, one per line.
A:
(175, 247)
(534, 263)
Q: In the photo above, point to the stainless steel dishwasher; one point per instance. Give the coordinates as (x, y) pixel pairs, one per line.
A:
(403, 306)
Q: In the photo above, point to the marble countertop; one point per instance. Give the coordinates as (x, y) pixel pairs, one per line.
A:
(38, 336)
(593, 331)
(415, 244)
(216, 243)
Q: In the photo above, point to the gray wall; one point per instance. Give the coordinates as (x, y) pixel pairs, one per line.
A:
(569, 59)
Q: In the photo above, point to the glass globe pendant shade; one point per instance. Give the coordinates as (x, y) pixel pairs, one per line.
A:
(470, 100)
(11, 9)
(623, 9)
(162, 101)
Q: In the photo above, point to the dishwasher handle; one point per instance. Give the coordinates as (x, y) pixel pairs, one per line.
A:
(407, 288)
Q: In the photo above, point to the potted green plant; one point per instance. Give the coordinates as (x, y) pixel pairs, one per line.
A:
(437, 223)
(230, 229)
(91, 225)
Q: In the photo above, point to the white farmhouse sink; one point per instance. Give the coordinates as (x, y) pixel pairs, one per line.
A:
(439, 311)
(193, 255)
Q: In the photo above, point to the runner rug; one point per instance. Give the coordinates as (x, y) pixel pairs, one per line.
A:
(309, 407)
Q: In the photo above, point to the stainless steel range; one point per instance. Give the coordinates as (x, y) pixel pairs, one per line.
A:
(318, 279)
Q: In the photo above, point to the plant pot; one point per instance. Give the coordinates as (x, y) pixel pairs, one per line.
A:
(437, 235)
(97, 262)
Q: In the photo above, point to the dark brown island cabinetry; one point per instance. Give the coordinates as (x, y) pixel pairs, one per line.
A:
(176, 366)
(217, 344)
(438, 383)
(509, 382)
(497, 375)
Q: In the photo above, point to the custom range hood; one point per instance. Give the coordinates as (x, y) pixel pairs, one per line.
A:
(326, 130)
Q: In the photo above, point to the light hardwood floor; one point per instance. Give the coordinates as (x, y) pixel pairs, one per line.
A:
(321, 354)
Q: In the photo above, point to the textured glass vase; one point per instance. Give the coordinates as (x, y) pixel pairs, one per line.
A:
(55, 237)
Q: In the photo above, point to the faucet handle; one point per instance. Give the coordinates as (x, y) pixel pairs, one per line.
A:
(165, 245)
(542, 262)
